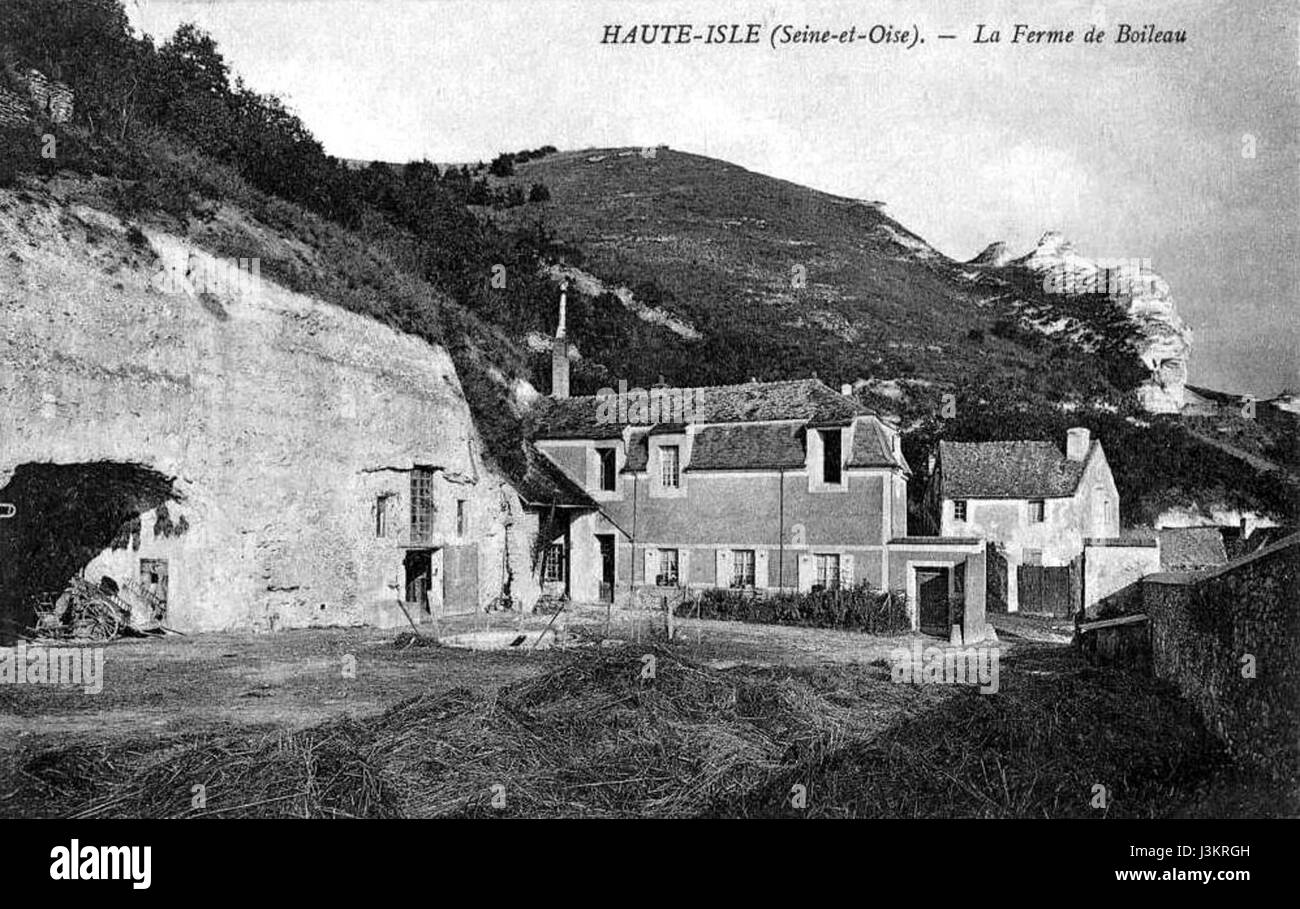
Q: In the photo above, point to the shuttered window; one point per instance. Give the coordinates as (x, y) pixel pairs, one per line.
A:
(742, 570)
(828, 571)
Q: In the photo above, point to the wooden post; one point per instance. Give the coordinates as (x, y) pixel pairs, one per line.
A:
(669, 609)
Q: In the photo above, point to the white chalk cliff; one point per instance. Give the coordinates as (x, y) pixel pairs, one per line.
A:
(1164, 343)
(282, 418)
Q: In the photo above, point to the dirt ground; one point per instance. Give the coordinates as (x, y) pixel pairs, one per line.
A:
(160, 695)
(293, 679)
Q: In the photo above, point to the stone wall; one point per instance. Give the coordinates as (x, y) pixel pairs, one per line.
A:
(1230, 641)
(282, 420)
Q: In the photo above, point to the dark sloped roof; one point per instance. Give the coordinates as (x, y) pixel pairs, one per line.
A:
(765, 446)
(1012, 470)
(748, 446)
(805, 400)
(545, 484)
(872, 449)
(1184, 548)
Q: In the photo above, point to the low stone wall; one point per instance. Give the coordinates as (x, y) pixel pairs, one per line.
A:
(1230, 641)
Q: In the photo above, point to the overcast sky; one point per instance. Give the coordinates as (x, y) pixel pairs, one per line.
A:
(1131, 151)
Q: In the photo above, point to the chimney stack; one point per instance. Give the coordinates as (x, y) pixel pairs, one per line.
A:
(560, 353)
(847, 390)
(1077, 441)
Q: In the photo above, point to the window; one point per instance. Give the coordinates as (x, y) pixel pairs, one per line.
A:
(382, 505)
(422, 510)
(670, 466)
(553, 564)
(959, 510)
(1037, 511)
(607, 462)
(831, 456)
(828, 572)
(462, 517)
(667, 576)
(742, 570)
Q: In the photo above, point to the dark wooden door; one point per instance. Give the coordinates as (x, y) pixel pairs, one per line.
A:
(606, 541)
(932, 594)
(460, 578)
(1050, 591)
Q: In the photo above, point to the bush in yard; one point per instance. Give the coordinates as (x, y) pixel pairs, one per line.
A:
(860, 608)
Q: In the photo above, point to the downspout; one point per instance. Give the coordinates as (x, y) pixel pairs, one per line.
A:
(631, 569)
(780, 533)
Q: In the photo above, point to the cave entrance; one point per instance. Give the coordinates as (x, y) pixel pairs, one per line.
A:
(63, 516)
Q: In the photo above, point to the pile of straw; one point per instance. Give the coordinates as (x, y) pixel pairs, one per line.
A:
(598, 735)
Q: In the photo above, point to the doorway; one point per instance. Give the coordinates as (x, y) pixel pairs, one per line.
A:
(460, 589)
(418, 570)
(932, 592)
(607, 565)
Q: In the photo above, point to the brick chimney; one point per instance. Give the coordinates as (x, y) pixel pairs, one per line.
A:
(1076, 443)
(560, 354)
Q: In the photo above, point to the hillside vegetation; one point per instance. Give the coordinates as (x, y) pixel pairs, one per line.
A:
(682, 267)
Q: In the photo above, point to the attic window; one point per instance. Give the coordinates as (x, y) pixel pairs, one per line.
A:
(670, 464)
(831, 456)
(607, 464)
(959, 510)
(1037, 511)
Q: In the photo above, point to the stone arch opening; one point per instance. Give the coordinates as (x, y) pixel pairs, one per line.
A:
(63, 516)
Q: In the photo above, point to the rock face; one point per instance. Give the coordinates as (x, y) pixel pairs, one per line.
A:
(994, 254)
(297, 434)
(1164, 343)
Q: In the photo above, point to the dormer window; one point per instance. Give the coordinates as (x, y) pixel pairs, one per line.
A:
(670, 466)
(831, 471)
(608, 461)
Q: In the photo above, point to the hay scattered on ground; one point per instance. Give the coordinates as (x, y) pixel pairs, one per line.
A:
(597, 736)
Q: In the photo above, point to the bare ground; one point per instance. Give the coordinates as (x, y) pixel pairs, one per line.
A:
(1032, 752)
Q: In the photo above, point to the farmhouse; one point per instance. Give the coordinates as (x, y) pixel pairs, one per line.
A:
(773, 485)
(1036, 506)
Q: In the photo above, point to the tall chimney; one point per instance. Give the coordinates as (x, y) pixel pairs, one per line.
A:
(1076, 443)
(560, 353)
